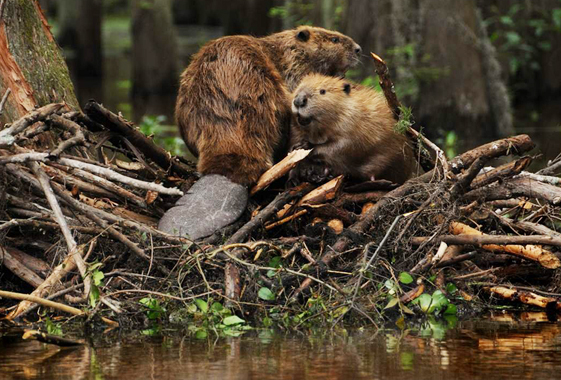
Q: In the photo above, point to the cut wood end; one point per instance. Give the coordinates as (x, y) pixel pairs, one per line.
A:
(280, 169)
(377, 58)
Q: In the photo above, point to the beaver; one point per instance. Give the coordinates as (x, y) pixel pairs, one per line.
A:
(351, 129)
(233, 106)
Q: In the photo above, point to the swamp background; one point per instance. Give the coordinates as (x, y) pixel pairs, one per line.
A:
(129, 55)
(464, 87)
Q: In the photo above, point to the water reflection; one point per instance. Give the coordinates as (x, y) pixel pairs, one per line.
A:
(492, 349)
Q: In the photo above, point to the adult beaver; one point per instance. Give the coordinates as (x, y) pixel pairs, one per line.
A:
(351, 129)
(233, 108)
(233, 111)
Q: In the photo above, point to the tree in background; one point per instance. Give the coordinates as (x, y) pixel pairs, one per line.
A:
(80, 31)
(154, 47)
(31, 66)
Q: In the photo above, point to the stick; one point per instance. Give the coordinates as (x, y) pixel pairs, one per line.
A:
(7, 136)
(395, 105)
(41, 301)
(20, 270)
(8, 90)
(123, 128)
(280, 169)
(232, 274)
(69, 125)
(105, 172)
(105, 184)
(59, 217)
(504, 171)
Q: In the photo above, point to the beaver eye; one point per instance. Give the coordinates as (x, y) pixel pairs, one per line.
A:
(335, 39)
(322, 92)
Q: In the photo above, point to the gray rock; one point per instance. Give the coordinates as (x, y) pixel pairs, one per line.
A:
(211, 203)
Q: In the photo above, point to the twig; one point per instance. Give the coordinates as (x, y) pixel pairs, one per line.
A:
(41, 301)
(70, 126)
(123, 128)
(8, 90)
(7, 136)
(59, 217)
(541, 178)
(108, 173)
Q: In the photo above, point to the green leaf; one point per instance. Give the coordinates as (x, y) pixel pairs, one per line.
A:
(392, 303)
(275, 262)
(217, 306)
(202, 305)
(451, 309)
(97, 277)
(340, 311)
(233, 320)
(424, 301)
(201, 334)
(405, 278)
(439, 301)
(451, 288)
(266, 294)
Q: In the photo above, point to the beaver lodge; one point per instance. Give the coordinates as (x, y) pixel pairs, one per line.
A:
(78, 236)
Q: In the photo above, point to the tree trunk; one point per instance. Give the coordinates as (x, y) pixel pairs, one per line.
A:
(434, 50)
(80, 30)
(154, 47)
(31, 64)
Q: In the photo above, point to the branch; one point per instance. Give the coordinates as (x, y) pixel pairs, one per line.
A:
(9, 90)
(40, 301)
(123, 128)
(7, 136)
(108, 173)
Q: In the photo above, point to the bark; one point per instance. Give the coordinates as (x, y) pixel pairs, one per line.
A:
(31, 64)
(154, 47)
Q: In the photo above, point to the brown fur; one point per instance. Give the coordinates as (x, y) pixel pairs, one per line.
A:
(233, 107)
(351, 129)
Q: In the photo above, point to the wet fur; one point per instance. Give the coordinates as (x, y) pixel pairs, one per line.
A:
(233, 106)
(351, 129)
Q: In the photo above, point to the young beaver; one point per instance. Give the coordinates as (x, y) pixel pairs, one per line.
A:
(233, 107)
(351, 130)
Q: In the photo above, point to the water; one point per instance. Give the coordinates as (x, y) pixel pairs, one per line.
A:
(500, 348)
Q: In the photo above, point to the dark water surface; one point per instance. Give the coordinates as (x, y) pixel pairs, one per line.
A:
(492, 349)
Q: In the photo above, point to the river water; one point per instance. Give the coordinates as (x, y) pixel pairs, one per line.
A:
(502, 347)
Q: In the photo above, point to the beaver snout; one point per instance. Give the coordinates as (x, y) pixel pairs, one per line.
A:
(358, 49)
(300, 101)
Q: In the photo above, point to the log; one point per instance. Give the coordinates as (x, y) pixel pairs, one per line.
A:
(489, 243)
(504, 171)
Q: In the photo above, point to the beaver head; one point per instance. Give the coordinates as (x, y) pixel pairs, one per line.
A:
(308, 49)
(321, 106)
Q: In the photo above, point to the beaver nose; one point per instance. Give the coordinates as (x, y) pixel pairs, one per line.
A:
(358, 49)
(300, 101)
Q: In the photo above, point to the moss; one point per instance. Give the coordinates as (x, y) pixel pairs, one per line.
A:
(39, 58)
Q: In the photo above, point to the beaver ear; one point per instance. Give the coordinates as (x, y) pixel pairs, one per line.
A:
(303, 35)
(347, 88)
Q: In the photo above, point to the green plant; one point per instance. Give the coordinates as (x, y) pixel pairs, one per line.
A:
(154, 310)
(297, 12)
(521, 36)
(52, 327)
(97, 277)
(204, 317)
(153, 125)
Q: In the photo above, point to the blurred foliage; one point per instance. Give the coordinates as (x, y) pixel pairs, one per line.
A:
(152, 125)
(521, 38)
(297, 12)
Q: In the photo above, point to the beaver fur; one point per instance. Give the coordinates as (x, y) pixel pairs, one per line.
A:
(233, 108)
(351, 129)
